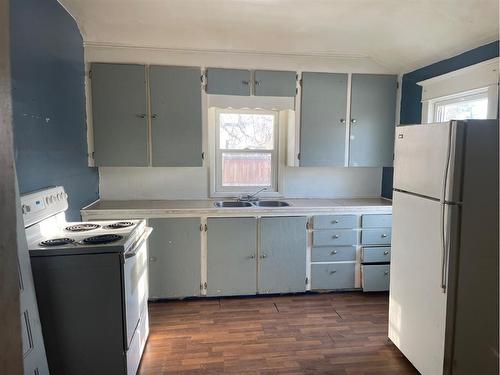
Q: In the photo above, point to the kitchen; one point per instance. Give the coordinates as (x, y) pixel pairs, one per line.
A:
(204, 189)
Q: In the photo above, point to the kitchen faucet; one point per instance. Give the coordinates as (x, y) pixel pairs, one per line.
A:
(251, 197)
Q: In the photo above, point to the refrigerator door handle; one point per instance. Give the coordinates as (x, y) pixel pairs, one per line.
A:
(445, 224)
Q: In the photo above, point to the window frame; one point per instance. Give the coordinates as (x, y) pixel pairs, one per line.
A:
(456, 98)
(224, 191)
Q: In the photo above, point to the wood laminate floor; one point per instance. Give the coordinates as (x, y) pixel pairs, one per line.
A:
(335, 333)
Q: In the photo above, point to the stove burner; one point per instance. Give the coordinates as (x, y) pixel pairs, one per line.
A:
(102, 239)
(119, 225)
(83, 227)
(57, 242)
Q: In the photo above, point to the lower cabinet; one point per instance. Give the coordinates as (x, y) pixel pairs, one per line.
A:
(231, 257)
(174, 258)
(239, 264)
(333, 276)
(282, 255)
(375, 277)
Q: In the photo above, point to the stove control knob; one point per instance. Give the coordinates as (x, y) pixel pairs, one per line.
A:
(26, 208)
(58, 197)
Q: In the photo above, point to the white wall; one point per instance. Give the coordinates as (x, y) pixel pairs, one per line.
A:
(192, 183)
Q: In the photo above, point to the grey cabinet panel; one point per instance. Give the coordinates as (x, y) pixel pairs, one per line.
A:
(231, 259)
(335, 221)
(275, 83)
(174, 258)
(335, 237)
(332, 276)
(282, 255)
(119, 110)
(176, 129)
(380, 236)
(323, 113)
(376, 221)
(228, 81)
(333, 254)
(375, 277)
(376, 255)
(373, 103)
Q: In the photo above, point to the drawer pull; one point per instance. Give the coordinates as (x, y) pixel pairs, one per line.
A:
(335, 236)
(386, 272)
(333, 252)
(386, 252)
(335, 222)
(383, 235)
(332, 272)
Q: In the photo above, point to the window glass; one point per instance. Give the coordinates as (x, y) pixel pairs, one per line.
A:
(462, 108)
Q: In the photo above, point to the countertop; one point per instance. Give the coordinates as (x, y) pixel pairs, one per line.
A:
(128, 209)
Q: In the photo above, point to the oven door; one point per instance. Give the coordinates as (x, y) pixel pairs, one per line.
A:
(135, 282)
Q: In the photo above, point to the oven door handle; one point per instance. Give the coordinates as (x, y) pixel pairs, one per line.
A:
(138, 243)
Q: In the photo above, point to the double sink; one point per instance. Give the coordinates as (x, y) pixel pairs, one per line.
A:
(241, 204)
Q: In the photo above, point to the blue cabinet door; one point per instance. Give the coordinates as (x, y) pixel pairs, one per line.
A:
(275, 83)
(231, 256)
(174, 258)
(373, 108)
(119, 113)
(323, 114)
(228, 81)
(282, 255)
(176, 129)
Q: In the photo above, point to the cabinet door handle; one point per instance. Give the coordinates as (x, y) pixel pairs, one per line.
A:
(257, 83)
(335, 236)
(332, 272)
(141, 115)
(335, 222)
(251, 256)
(342, 120)
(263, 256)
(386, 252)
(383, 235)
(353, 121)
(246, 83)
(154, 116)
(386, 272)
(333, 252)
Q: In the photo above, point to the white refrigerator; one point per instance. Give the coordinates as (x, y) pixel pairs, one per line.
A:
(444, 289)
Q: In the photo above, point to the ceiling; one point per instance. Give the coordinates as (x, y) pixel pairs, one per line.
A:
(400, 35)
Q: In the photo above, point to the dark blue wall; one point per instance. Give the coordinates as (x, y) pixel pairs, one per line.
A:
(50, 137)
(411, 93)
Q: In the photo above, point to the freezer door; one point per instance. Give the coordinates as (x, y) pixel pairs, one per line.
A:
(424, 154)
(417, 303)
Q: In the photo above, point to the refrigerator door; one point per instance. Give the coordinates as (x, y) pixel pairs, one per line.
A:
(427, 160)
(417, 303)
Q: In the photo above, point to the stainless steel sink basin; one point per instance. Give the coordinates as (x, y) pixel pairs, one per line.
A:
(271, 204)
(232, 204)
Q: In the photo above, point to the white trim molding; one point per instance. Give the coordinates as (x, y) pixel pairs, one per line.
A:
(481, 76)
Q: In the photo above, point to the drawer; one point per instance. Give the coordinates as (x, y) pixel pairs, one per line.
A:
(335, 221)
(332, 276)
(380, 236)
(375, 254)
(376, 221)
(375, 277)
(340, 237)
(333, 254)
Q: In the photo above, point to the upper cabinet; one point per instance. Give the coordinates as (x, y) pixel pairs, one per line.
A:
(332, 136)
(228, 81)
(120, 119)
(275, 83)
(176, 131)
(129, 131)
(323, 119)
(239, 82)
(373, 110)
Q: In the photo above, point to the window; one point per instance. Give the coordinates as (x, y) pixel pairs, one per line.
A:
(468, 105)
(246, 144)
